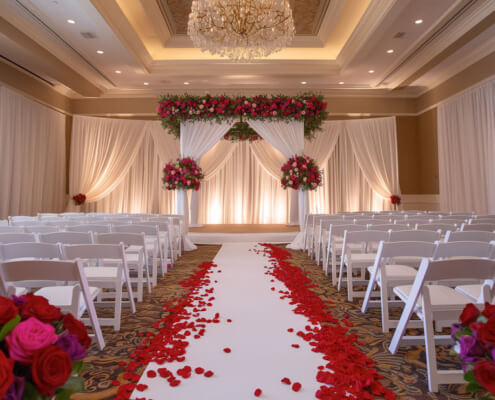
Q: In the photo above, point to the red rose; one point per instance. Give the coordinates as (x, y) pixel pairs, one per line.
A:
(489, 310)
(50, 370)
(38, 307)
(6, 373)
(76, 327)
(486, 332)
(8, 310)
(484, 372)
(469, 314)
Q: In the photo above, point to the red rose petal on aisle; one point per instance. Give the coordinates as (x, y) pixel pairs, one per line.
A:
(151, 374)
(296, 346)
(258, 392)
(199, 370)
(208, 374)
(175, 383)
(296, 387)
(115, 383)
(229, 320)
(286, 381)
(142, 387)
(227, 350)
(290, 330)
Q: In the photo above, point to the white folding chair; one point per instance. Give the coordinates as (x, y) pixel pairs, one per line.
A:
(94, 228)
(354, 260)
(17, 238)
(4, 222)
(165, 242)
(11, 229)
(387, 273)
(174, 231)
(469, 236)
(478, 227)
(67, 237)
(23, 220)
(75, 299)
(105, 268)
(388, 227)
(437, 302)
(41, 229)
(154, 249)
(322, 235)
(135, 256)
(434, 226)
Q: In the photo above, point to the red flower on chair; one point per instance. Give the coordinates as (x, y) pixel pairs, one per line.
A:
(79, 199)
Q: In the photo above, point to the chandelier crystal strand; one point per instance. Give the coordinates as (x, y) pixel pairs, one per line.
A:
(241, 29)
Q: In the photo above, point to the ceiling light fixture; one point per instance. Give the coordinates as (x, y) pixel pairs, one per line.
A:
(304, 83)
(341, 83)
(371, 71)
(118, 71)
(390, 51)
(418, 21)
(71, 21)
(146, 83)
(186, 83)
(241, 30)
(100, 51)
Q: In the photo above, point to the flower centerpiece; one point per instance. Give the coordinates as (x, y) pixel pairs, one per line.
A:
(174, 109)
(79, 199)
(241, 131)
(41, 350)
(474, 340)
(183, 173)
(301, 172)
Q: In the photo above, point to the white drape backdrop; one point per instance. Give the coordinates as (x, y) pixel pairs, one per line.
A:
(32, 156)
(466, 150)
(242, 180)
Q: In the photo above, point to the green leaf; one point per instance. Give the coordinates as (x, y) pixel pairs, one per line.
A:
(63, 394)
(7, 328)
(469, 376)
(466, 331)
(30, 393)
(77, 367)
(473, 387)
(74, 384)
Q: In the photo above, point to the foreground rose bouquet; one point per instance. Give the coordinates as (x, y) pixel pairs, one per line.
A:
(41, 350)
(474, 340)
(79, 199)
(183, 173)
(301, 172)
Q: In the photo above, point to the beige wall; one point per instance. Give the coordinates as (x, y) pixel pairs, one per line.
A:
(428, 152)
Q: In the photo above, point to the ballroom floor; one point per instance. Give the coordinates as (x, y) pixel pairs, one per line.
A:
(403, 373)
(244, 228)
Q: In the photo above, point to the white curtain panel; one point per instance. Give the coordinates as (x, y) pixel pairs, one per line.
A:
(374, 142)
(102, 152)
(32, 156)
(466, 150)
(167, 146)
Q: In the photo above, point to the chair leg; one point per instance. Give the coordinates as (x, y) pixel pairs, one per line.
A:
(130, 292)
(431, 359)
(334, 268)
(341, 271)
(350, 289)
(118, 305)
(384, 306)
(140, 282)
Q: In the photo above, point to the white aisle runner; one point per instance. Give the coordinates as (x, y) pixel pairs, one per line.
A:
(261, 347)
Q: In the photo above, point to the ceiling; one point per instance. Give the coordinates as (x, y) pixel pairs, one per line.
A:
(340, 47)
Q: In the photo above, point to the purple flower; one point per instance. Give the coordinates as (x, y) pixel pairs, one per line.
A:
(70, 344)
(19, 300)
(470, 349)
(493, 354)
(454, 329)
(15, 391)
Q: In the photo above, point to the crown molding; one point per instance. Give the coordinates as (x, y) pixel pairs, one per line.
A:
(369, 23)
(329, 20)
(154, 14)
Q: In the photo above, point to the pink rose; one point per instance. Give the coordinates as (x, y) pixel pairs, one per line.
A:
(294, 164)
(29, 336)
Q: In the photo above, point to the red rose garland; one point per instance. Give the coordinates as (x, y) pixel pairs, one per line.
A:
(348, 370)
(184, 173)
(39, 354)
(301, 172)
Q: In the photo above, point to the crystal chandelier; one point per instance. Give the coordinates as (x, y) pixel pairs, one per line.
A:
(241, 29)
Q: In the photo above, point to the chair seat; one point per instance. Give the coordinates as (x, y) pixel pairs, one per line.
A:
(362, 259)
(95, 273)
(471, 291)
(396, 272)
(411, 261)
(442, 297)
(61, 296)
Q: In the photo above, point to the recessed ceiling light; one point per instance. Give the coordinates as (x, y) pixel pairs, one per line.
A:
(371, 71)
(100, 51)
(186, 83)
(304, 83)
(146, 83)
(71, 21)
(118, 71)
(418, 21)
(341, 83)
(390, 51)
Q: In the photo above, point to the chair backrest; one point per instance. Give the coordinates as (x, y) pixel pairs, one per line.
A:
(11, 229)
(89, 228)
(464, 249)
(63, 223)
(406, 249)
(146, 229)
(469, 236)
(388, 227)
(454, 221)
(29, 250)
(67, 237)
(414, 236)
(23, 222)
(383, 217)
(17, 237)
(4, 222)
(94, 251)
(482, 220)
(73, 214)
(41, 229)
(162, 226)
(456, 268)
(326, 222)
(364, 221)
(364, 236)
(436, 227)
(478, 227)
(129, 239)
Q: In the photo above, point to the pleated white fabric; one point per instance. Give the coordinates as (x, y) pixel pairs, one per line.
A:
(466, 150)
(32, 156)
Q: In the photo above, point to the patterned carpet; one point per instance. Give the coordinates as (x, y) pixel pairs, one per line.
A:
(404, 373)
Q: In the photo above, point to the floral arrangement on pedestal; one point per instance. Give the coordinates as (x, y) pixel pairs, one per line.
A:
(41, 350)
(79, 199)
(241, 131)
(174, 109)
(301, 172)
(183, 173)
(474, 340)
(395, 200)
